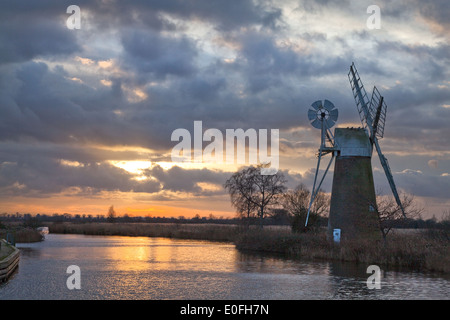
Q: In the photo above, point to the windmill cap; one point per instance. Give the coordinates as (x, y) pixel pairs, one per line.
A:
(353, 142)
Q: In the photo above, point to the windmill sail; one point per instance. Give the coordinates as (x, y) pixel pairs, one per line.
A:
(373, 117)
(361, 99)
(387, 171)
(378, 105)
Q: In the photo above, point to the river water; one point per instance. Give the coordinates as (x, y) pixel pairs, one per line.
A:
(113, 267)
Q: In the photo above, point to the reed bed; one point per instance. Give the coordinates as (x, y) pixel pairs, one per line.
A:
(421, 251)
(168, 230)
(22, 235)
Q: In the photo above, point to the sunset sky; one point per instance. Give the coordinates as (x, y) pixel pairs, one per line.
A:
(86, 115)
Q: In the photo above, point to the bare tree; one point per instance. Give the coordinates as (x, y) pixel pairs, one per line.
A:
(445, 215)
(296, 202)
(242, 193)
(246, 210)
(111, 216)
(390, 214)
(251, 192)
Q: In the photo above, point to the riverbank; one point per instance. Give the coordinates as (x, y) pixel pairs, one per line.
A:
(426, 251)
(9, 260)
(22, 235)
(204, 231)
(5, 249)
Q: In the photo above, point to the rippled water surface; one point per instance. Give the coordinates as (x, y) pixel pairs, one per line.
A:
(159, 268)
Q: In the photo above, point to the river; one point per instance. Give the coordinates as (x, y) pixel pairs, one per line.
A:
(113, 267)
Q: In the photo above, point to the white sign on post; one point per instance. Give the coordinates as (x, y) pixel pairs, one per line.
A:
(337, 235)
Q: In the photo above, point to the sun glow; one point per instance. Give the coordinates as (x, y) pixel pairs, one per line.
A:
(206, 186)
(135, 166)
(70, 163)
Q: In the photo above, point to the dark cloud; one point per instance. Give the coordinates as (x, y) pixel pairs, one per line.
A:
(220, 13)
(186, 180)
(44, 176)
(52, 108)
(433, 59)
(25, 36)
(267, 64)
(319, 5)
(417, 183)
(154, 54)
(434, 12)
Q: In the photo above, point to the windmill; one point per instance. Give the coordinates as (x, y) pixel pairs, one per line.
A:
(353, 200)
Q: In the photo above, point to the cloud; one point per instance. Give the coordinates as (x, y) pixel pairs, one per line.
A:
(154, 54)
(25, 36)
(187, 180)
(47, 169)
(417, 183)
(433, 163)
(43, 176)
(137, 70)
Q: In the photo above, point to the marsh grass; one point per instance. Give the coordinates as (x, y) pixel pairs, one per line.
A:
(423, 251)
(5, 250)
(22, 235)
(168, 230)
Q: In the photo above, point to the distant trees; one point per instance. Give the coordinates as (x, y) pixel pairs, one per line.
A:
(252, 193)
(296, 203)
(390, 214)
(445, 221)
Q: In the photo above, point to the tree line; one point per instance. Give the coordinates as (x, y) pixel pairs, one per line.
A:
(28, 219)
(258, 197)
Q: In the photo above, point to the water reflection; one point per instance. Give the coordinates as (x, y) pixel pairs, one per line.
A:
(159, 268)
(277, 264)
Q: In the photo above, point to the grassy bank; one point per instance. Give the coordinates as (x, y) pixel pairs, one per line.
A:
(421, 251)
(5, 250)
(168, 230)
(22, 235)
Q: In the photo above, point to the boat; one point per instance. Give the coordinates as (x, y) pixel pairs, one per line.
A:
(43, 230)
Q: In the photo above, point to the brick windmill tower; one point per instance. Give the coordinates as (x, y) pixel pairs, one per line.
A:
(353, 201)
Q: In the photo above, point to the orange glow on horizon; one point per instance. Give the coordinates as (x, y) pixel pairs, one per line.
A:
(94, 207)
(169, 211)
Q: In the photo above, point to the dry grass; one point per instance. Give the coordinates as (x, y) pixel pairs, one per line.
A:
(168, 230)
(5, 249)
(23, 235)
(425, 251)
